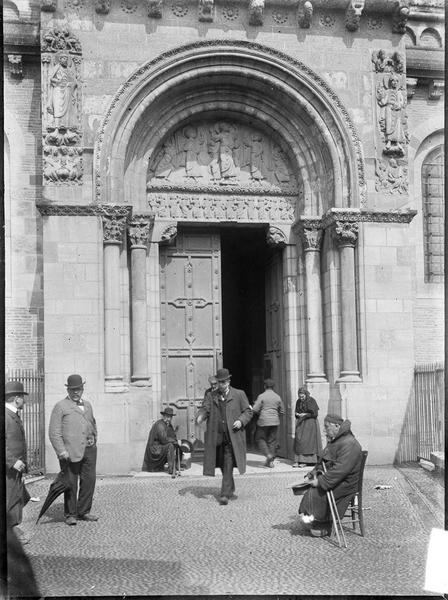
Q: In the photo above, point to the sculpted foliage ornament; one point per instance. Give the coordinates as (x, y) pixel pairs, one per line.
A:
(138, 230)
(391, 176)
(113, 229)
(62, 164)
(345, 233)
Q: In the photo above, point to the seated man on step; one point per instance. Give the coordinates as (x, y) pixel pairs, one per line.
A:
(342, 458)
(163, 446)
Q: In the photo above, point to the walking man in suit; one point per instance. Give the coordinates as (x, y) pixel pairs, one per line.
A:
(227, 411)
(16, 462)
(73, 434)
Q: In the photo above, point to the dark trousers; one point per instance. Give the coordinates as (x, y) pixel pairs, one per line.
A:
(225, 459)
(84, 471)
(266, 438)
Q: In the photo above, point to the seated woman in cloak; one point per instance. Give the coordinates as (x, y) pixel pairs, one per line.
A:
(163, 446)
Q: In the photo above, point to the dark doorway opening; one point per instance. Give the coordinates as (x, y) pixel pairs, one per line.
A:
(243, 258)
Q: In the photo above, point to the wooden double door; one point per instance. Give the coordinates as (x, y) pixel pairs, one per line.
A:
(193, 285)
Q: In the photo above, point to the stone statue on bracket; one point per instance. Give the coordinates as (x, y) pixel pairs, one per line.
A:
(392, 101)
(61, 95)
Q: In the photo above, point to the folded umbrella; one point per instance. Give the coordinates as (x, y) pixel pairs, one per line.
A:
(58, 487)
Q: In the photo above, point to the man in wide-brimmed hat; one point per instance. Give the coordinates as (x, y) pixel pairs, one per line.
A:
(73, 434)
(227, 411)
(16, 460)
(163, 446)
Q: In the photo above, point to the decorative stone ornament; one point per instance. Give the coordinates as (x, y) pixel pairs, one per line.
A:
(411, 85)
(391, 176)
(48, 5)
(400, 16)
(304, 13)
(205, 12)
(345, 233)
(311, 238)
(353, 14)
(113, 228)
(276, 237)
(102, 7)
(154, 8)
(256, 12)
(15, 65)
(169, 235)
(435, 89)
(138, 230)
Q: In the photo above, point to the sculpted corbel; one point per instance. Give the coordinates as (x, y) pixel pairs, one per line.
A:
(256, 12)
(353, 14)
(304, 13)
(206, 10)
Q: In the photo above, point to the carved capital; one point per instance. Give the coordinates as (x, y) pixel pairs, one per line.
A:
(113, 228)
(345, 233)
(154, 8)
(400, 16)
(138, 230)
(275, 237)
(15, 65)
(206, 10)
(353, 14)
(304, 14)
(436, 89)
(311, 239)
(102, 7)
(48, 5)
(411, 85)
(256, 12)
(169, 235)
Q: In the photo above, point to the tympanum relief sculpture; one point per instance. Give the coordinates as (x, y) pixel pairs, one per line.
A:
(217, 155)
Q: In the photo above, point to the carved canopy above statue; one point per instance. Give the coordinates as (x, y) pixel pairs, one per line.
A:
(220, 154)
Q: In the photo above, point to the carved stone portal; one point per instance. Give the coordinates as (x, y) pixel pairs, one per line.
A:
(218, 154)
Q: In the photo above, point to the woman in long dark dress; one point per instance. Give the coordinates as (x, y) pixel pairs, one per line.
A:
(307, 441)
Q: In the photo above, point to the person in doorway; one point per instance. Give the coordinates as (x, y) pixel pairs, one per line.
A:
(307, 440)
(227, 411)
(163, 446)
(342, 458)
(73, 435)
(15, 457)
(268, 406)
(213, 385)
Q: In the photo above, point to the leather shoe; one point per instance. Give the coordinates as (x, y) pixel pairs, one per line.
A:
(88, 517)
(223, 500)
(70, 521)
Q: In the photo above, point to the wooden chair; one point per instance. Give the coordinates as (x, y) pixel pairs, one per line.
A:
(354, 512)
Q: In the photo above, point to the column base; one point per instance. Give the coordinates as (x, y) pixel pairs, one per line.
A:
(141, 381)
(316, 378)
(115, 385)
(347, 376)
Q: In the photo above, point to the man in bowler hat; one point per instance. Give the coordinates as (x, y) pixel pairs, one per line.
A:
(227, 411)
(163, 446)
(16, 460)
(73, 434)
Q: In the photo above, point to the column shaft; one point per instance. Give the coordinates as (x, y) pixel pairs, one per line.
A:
(314, 316)
(112, 353)
(139, 314)
(348, 309)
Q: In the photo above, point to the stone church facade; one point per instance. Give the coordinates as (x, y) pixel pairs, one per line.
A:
(206, 183)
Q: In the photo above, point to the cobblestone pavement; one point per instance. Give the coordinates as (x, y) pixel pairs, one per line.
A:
(158, 535)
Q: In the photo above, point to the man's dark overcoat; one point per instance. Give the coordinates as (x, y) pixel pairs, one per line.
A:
(15, 449)
(342, 457)
(238, 408)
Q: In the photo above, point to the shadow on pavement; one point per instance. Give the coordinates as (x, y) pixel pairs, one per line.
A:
(200, 492)
(295, 527)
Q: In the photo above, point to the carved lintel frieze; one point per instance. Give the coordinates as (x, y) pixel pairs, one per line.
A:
(102, 7)
(275, 237)
(353, 14)
(411, 85)
(15, 65)
(256, 12)
(206, 8)
(169, 235)
(304, 13)
(400, 16)
(113, 228)
(436, 89)
(84, 210)
(391, 176)
(345, 233)
(138, 230)
(48, 5)
(154, 8)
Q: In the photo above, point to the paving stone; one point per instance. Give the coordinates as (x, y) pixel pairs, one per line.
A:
(158, 535)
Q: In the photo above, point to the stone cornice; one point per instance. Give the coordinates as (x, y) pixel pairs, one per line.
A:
(354, 215)
(84, 210)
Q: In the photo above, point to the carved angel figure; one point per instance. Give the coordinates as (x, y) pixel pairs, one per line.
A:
(392, 101)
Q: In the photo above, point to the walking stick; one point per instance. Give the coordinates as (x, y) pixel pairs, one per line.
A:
(337, 524)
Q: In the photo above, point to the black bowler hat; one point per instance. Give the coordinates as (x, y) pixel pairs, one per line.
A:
(223, 374)
(168, 411)
(74, 381)
(14, 388)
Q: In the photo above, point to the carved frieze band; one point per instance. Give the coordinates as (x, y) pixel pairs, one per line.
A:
(336, 215)
(138, 230)
(61, 106)
(84, 210)
(222, 208)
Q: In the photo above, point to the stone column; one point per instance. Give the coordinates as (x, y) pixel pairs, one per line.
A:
(138, 234)
(346, 235)
(113, 229)
(312, 242)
